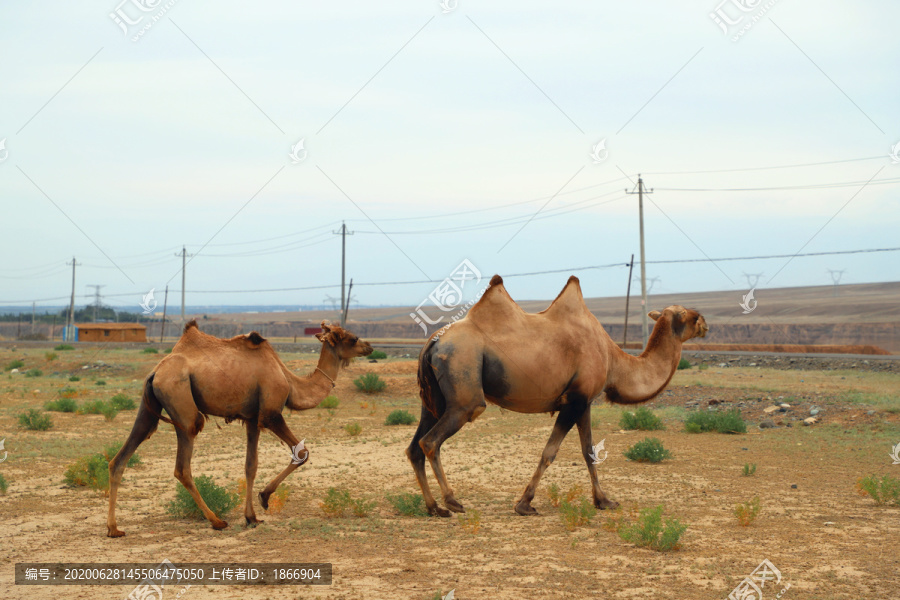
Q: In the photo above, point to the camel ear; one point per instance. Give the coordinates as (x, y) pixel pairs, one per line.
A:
(325, 326)
(654, 314)
(326, 336)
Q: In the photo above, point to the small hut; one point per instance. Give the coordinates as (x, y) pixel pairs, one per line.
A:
(110, 332)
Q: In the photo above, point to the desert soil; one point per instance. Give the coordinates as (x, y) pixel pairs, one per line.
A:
(827, 540)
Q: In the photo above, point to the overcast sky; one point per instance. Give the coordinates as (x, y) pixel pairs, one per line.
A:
(442, 136)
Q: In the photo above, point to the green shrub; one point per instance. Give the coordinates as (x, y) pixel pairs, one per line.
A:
(68, 392)
(330, 402)
(74, 378)
(65, 405)
(51, 356)
(354, 429)
(89, 471)
(219, 499)
(15, 364)
(100, 382)
(91, 407)
(642, 419)
(369, 383)
(684, 364)
(749, 469)
(338, 502)
(62, 347)
(647, 450)
(123, 402)
(650, 531)
(723, 422)
(35, 420)
(33, 373)
(3, 485)
(408, 505)
(110, 451)
(747, 513)
(883, 491)
(400, 417)
(377, 354)
(108, 411)
(150, 350)
(575, 514)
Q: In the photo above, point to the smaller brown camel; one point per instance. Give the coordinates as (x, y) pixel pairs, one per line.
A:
(239, 378)
(557, 360)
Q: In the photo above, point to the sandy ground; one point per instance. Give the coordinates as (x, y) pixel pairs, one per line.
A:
(827, 541)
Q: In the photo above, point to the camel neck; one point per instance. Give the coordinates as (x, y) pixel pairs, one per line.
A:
(633, 379)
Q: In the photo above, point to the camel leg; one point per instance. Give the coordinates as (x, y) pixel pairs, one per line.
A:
(250, 470)
(183, 474)
(450, 422)
(587, 447)
(564, 422)
(277, 425)
(144, 426)
(417, 458)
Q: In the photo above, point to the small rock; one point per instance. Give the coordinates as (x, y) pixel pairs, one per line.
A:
(767, 424)
(829, 523)
(783, 405)
(870, 412)
(723, 364)
(744, 448)
(752, 365)
(14, 371)
(770, 409)
(793, 486)
(814, 411)
(810, 421)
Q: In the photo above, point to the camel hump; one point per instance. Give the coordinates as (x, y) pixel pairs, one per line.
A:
(570, 298)
(254, 338)
(190, 324)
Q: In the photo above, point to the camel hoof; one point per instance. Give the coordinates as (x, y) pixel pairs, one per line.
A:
(114, 533)
(454, 505)
(437, 511)
(526, 510)
(217, 525)
(264, 500)
(253, 521)
(606, 504)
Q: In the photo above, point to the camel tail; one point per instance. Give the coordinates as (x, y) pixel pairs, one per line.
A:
(429, 390)
(153, 404)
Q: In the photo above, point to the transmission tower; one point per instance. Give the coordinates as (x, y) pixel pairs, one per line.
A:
(752, 279)
(835, 278)
(96, 298)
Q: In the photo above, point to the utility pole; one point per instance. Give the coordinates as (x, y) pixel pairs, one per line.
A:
(70, 318)
(627, 300)
(640, 192)
(344, 233)
(183, 254)
(835, 278)
(652, 281)
(347, 306)
(162, 327)
(32, 317)
(96, 298)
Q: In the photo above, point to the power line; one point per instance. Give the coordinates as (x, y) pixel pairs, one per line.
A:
(817, 186)
(816, 164)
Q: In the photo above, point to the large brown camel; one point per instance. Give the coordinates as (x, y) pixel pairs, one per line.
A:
(239, 378)
(557, 360)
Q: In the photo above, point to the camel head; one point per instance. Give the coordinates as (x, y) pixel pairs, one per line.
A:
(686, 323)
(344, 344)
